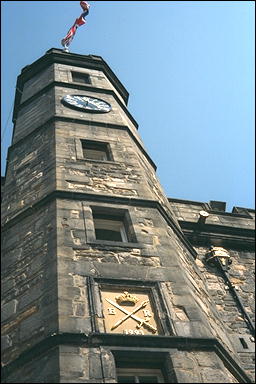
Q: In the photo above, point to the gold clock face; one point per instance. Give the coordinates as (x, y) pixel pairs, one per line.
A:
(129, 312)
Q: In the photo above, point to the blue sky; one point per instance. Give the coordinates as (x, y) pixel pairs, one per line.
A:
(189, 69)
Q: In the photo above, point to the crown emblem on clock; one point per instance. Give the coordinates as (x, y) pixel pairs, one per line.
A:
(126, 299)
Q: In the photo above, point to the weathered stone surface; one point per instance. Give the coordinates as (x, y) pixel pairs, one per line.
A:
(9, 309)
(30, 174)
(200, 367)
(40, 369)
(33, 272)
(95, 365)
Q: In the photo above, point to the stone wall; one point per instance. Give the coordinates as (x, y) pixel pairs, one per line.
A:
(35, 84)
(30, 174)
(34, 115)
(97, 78)
(189, 211)
(241, 275)
(200, 367)
(29, 296)
(155, 257)
(41, 369)
(128, 174)
(240, 272)
(98, 365)
(121, 176)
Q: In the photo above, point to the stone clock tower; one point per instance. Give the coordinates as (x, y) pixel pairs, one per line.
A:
(100, 284)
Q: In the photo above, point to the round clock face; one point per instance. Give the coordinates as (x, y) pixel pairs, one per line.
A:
(86, 103)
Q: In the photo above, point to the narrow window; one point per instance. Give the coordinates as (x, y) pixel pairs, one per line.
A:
(94, 150)
(82, 78)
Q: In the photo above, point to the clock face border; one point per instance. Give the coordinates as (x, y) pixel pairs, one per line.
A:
(84, 109)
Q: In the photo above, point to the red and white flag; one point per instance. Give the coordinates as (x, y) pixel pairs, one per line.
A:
(85, 6)
(79, 21)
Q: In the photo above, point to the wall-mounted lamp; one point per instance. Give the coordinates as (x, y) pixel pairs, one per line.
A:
(219, 254)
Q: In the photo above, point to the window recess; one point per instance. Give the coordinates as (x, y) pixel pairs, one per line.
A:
(110, 228)
(139, 375)
(93, 150)
(82, 78)
(111, 224)
(134, 366)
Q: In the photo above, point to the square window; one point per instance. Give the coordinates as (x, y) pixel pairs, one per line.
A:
(139, 375)
(82, 78)
(143, 367)
(93, 150)
(109, 228)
